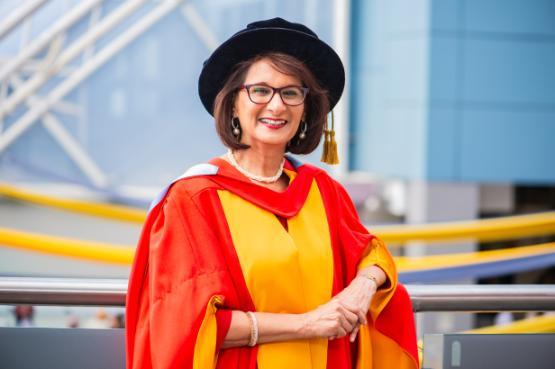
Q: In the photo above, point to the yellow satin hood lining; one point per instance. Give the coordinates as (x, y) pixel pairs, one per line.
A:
(205, 355)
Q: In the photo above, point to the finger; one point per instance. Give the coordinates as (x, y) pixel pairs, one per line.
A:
(341, 332)
(351, 317)
(354, 333)
(345, 323)
(359, 312)
(362, 317)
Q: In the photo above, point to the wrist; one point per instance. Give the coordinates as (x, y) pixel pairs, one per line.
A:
(301, 326)
(370, 280)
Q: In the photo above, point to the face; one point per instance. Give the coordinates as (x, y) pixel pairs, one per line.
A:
(272, 124)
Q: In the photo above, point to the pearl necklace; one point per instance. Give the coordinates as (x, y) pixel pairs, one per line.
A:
(252, 176)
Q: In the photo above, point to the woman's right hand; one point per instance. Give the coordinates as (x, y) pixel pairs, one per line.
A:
(330, 320)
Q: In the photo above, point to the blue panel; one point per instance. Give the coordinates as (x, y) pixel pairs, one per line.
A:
(363, 109)
(446, 15)
(443, 143)
(389, 87)
(406, 70)
(394, 142)
(402, 146)
(407, 16)
(511, 16)
(387, 135)
(508, 146)
(509, 71)
(445, 68)
(365, 28)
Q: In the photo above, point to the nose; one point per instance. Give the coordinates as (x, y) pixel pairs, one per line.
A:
(276, 104)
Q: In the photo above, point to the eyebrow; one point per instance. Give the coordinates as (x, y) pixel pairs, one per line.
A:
(266, 84)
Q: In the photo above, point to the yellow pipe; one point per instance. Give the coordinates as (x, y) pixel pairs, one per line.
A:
(123, 254)
(539, 324)
(117, 212)
(495, 229)
(93, 251)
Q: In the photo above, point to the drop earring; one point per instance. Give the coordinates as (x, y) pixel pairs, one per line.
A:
(236, 128)
(304, 128)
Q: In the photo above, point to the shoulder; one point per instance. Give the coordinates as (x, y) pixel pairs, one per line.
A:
(193, 181)
(322, 176)
(301, 166)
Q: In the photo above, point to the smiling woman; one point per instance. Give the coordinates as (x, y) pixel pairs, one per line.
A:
(259, 70)
(256, 260)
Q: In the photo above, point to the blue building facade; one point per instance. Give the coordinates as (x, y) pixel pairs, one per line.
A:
(454, 90)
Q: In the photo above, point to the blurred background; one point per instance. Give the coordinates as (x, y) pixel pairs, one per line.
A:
(448, 115)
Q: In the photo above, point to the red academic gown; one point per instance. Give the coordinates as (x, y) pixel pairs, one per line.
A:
(186, 256)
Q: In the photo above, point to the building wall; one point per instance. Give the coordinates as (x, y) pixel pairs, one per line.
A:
(460, 90)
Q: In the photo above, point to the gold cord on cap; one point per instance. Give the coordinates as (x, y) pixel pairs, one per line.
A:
(329, 155)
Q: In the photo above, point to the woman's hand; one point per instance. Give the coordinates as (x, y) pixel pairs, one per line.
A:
(331, 320)
(356, 298)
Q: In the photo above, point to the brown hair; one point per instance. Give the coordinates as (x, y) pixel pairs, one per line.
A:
(316, 104)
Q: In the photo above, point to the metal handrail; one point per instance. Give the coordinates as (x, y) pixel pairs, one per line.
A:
(425, 298)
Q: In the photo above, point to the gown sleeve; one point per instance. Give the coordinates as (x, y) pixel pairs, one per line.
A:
(389, 339)
(176, 285)
(223, 319)
(371, 250)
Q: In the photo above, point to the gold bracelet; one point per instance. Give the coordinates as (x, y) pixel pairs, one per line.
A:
(372, 278)
(254, 329)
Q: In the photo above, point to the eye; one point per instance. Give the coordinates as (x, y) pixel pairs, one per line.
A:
(260, 90)
(291, 92)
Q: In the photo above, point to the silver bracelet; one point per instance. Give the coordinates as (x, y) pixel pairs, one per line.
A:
(254, 329)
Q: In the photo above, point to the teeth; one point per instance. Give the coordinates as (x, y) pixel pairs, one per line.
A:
(273, 122)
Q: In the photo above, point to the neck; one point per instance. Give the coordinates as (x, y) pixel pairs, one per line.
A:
(260, 162)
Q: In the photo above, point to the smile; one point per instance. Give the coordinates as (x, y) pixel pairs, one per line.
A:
(273, 123)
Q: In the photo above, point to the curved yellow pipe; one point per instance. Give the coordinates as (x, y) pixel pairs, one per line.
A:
(495, 229)
(539, 324)
(68, 247)
(117, 212)
(123, 254)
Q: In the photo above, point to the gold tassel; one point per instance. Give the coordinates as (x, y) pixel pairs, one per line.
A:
(329, 155)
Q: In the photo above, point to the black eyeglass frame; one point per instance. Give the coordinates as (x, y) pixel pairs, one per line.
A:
(305, 91)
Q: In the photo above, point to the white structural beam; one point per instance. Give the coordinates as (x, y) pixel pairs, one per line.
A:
(72, 51)
(74, 150)
(199, 26)
(66, 141)
(31, 116)
(18, 14)
(47, 36)
(341, 42)
(31, 66)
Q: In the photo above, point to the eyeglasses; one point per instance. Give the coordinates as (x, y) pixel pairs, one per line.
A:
(263, 94)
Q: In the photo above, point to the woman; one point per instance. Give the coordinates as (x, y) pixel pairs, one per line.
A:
(255, 260)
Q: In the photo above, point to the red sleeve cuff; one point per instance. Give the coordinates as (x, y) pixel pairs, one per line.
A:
(223, 320)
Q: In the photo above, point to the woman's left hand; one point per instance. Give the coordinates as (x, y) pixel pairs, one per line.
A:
(356, 297)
